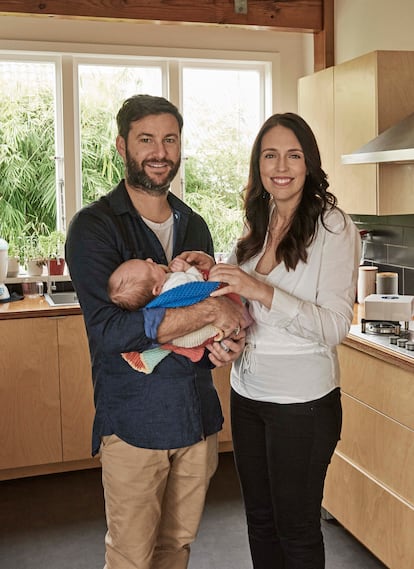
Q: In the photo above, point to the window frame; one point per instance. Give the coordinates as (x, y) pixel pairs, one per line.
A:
(68, 57)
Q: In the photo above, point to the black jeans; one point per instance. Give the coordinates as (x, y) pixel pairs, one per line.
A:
(282, 453)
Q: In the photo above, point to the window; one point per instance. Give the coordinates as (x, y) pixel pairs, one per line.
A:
(60, 110)
(223, 110)
(98, 105)
(28, 145)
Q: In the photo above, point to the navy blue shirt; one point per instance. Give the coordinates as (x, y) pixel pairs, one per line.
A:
(174, 406)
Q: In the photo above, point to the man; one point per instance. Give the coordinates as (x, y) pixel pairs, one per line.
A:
(156, 433)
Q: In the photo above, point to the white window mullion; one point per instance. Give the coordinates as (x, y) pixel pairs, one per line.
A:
(71, 140)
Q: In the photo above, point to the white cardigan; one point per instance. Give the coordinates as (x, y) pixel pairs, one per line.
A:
(290, 354)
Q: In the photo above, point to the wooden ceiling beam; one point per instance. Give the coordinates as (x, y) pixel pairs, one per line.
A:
(323, 41)
(283, 15)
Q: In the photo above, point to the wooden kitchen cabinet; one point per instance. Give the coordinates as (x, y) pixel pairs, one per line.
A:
(76, 389)
(369, 94)
(46, 400)
(29, 393)
(46, 397)
(370, 484)
(221, 378)
(316, 106)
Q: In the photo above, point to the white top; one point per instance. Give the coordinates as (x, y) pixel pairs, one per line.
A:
(191, 275)
(164, 231)
(290, 354)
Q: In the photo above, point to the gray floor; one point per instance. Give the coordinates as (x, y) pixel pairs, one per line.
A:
(57, 522)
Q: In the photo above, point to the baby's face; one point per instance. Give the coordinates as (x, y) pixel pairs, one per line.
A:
(154, 273)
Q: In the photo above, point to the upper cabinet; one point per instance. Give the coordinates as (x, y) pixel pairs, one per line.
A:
(367, 95)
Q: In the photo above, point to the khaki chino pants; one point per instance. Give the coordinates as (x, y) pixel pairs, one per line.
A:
(154, 501)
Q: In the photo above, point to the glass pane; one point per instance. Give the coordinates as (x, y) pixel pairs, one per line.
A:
(222, 114)
(27, 149)
(102, 89)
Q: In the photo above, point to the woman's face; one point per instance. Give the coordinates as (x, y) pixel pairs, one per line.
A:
(282, 166)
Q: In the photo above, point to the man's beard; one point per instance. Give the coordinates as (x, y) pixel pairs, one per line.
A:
(136, 177)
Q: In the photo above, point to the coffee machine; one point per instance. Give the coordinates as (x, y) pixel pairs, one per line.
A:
(4, 258)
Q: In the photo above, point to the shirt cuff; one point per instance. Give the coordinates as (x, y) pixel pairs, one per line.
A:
(152, 319)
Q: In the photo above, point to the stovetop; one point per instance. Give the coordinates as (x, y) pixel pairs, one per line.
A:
(387, 340)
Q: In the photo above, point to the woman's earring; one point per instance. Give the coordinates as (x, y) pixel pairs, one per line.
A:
(264, 194)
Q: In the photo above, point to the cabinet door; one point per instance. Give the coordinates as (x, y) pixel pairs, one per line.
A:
(316, 106)
(221, 378)
(377, 517)
(372, 93)
(355, 96)
(76, 388)
(30, 424)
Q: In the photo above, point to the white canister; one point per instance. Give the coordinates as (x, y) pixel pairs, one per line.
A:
(387, 283)
(366, 282)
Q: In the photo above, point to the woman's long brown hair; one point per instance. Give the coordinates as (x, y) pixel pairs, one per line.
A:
(315, 201)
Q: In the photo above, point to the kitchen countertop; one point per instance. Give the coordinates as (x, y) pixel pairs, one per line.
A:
(367, 346)
(36, 307)
(33, 308)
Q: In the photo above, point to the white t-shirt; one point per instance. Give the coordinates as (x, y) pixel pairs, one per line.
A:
(290, 354)
(164, 231)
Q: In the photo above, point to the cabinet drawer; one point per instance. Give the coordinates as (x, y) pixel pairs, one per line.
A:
(379, 445)
(380, 385)
(378, 518)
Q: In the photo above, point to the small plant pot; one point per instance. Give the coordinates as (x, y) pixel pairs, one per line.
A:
(34, 267)
(13, 266)
(56, 266)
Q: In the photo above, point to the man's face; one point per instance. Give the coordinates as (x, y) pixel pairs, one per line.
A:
(152, 153)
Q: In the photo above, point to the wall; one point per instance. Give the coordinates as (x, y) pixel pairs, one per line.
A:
(362, 26)
(389, 246)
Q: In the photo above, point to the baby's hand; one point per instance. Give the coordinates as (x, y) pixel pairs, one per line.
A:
(202, 261)
(178, 265)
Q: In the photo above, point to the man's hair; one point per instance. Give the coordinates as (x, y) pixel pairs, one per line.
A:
(139, 106)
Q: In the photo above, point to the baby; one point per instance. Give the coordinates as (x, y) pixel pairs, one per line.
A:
(137, 282)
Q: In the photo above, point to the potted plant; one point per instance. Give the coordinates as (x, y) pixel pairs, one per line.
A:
(53, 248)
(34, 256)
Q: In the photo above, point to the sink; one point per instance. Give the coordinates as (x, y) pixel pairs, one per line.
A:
(62, 298)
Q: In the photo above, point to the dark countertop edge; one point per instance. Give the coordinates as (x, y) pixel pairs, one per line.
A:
(380, 352)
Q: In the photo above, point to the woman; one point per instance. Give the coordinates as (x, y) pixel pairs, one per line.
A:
(296, 264)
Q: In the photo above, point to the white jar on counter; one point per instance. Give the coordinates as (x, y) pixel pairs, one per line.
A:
(366, 282)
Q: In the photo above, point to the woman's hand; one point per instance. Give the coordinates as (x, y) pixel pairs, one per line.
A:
(228, 350)
(236, 280)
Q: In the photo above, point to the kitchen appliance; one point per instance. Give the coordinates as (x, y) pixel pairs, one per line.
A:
(4, 259)
(396, 144)
(389, 307)
(388, 323)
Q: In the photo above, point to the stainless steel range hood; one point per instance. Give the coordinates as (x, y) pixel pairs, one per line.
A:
(395, 144)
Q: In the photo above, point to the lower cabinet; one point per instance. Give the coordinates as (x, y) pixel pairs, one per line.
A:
(221, 378)
(46, 397)
(29, 393)
(76, 391)
(370, 484)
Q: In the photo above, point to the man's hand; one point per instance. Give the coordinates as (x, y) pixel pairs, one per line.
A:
(222, 312)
